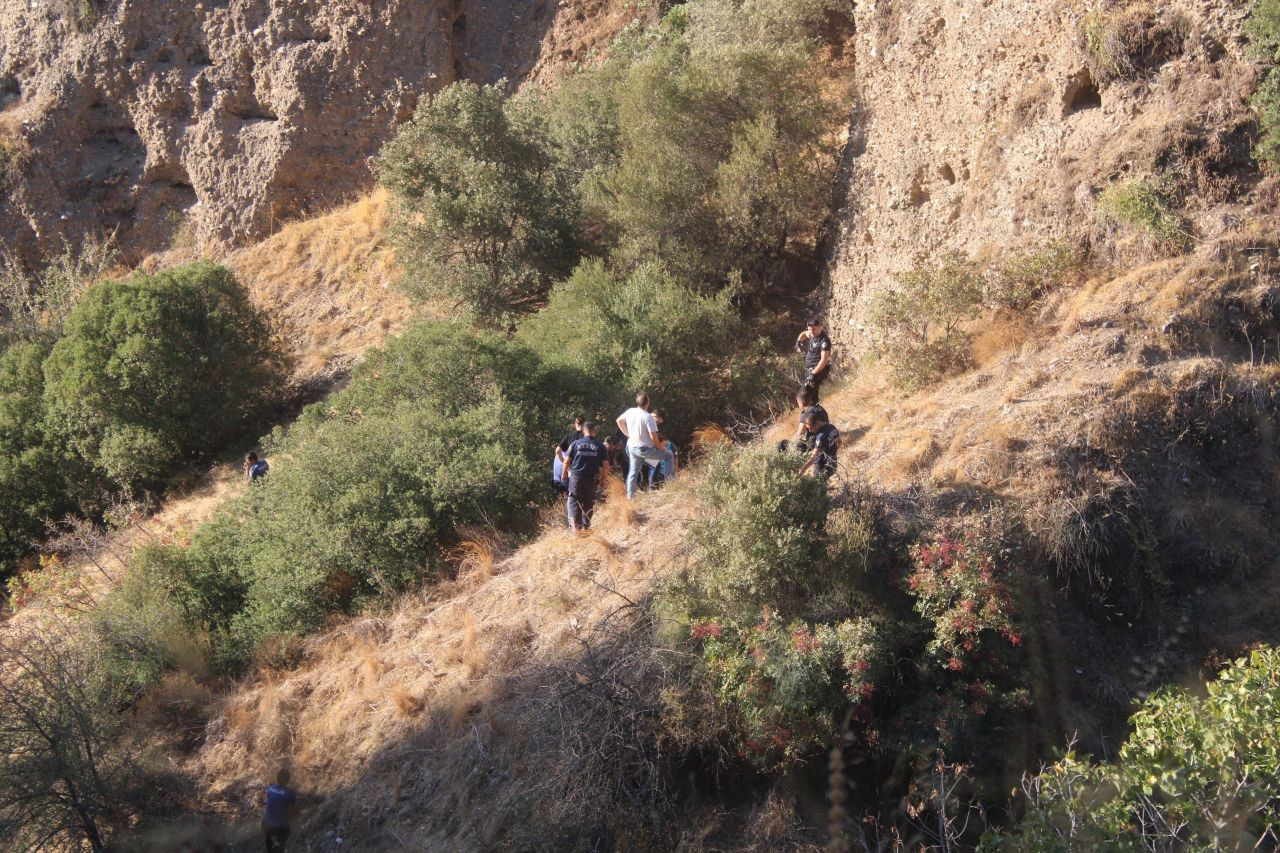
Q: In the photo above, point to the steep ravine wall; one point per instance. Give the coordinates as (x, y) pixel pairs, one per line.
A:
(235, 115)
(980, 129)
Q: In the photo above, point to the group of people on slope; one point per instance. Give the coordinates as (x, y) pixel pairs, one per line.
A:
(639, 451)
(649, 457)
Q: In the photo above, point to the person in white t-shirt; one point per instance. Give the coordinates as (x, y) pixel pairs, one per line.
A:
(643, 439)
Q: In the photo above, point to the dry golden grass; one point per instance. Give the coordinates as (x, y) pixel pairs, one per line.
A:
(331, 281)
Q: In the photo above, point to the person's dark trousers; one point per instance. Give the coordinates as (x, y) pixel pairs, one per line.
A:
(276, 837)
(581, 502)
(814, 384)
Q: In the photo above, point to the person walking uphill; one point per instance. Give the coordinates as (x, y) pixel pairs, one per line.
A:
(641, 431)
(275, 821)
(816, 346)
(586, 458)
(254, 468)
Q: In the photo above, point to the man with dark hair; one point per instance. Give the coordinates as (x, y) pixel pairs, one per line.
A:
(562, 450)
(254, 468)
(816, 346)
(275, 821)
(642, 435)
(825, 443)
(660, 472)
(586, 458)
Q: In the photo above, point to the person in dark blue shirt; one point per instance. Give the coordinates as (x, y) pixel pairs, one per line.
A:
(275, 821)
(586, 458)
(816, 346)
(825, 440)
(254, 468)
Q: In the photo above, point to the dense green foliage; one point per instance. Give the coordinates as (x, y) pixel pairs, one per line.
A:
(32, 480)
(485, 212)
(702, 144)
(1195, 773)
(160, 369)
(1263, 28)
(443, 427)
(691, 352)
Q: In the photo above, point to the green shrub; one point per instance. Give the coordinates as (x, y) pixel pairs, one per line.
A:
(442, 427)
(1195, 773)
(692, 353)
(773, 602)
(1139, 205)
(777, 22)
(32, 484)
(158, 370)
(485, 214)
(1263, 29)
(916, 327)
(1020, 281)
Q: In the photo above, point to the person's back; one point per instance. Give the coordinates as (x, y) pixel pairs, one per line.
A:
(586, 457)
(826, 443)
(640, 427)
(275, 820)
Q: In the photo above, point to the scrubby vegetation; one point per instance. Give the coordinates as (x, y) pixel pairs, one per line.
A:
(1127, 42)
(1195, 773)
(1263, 28)
(141, 378)
(1140, 205)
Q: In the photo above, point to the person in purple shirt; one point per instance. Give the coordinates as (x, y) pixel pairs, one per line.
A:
(275, 821)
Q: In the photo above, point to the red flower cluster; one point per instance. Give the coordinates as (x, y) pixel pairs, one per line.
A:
(702, 630)
(804, 640)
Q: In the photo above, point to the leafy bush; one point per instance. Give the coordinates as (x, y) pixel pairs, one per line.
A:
(691, 353)
(773, 602)
(1140, 205)
(699, 146)
(916, 327)
(1019, 282)
(1263, 29)
(485, 214)
(1195, 773)
(160, 369)
(439, 428)
(32, 484)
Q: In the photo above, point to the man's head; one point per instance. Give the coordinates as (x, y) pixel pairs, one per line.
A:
(588, 427)
(282, 778)
(815, 325)
(807, 397)
(812, 420)
(577, 421)
(612, 441)
(642, 400)
(250, 458)
(659, 415)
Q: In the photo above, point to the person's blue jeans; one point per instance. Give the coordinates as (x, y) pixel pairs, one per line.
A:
(637, 456)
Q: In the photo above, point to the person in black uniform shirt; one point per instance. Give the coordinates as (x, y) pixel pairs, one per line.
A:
(586, 458)
(826, 443)
(816, 346)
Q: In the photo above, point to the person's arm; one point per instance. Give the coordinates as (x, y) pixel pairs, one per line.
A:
(823, 360)
(808, 463)
(622, 426)
(564, 469)
(804, 336)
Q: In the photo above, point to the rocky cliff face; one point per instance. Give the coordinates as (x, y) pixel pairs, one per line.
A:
(233, 115)
(985, 125)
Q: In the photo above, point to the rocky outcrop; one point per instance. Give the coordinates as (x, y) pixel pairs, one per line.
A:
(229, 116)
(987, 125)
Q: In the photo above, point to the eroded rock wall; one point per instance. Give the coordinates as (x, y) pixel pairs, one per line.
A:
(981, 129)
(233, 115)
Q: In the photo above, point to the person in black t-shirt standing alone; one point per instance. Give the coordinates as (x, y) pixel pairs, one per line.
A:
(586, 458)
(825, 440)
(816, 346)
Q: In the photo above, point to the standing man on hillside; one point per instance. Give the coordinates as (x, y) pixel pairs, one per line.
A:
(816, 346)
(275, 820)
(586, 458)
(642, 435)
